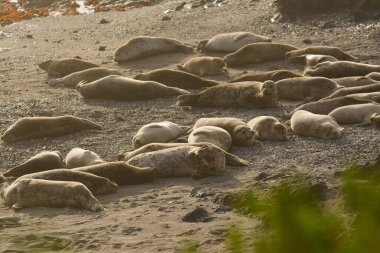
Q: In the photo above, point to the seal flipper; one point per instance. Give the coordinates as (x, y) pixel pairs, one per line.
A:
(189, 99)
(233, 160)
(54, 82)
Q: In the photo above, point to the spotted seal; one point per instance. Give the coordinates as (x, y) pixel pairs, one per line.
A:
(204, 66)
(66, 66)
(375, 87)
(353, 81)
(322, 50)
(78, 157)
(274, 75)
(341, 69)
(212, 134)
(355, 114)
(268, 128)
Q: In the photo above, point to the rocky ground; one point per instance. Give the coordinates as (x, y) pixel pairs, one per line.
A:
(147, 218)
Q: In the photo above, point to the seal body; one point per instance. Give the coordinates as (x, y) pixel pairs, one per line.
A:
(311, 60)
(120, 172)
(176, 78)
(375, 87)
(87, 75)
(37, 192)
(353, 81)
(157, 132)
(242, 94)
(46, 160)
(256, 53)
(183, 161)
(322, 50)
(374, 76)
(355, 114)
(305, 88)
(341, 69)
(268, 128)
(215, 135)
(97, 185)
(41, 127)
(274, 75)
(230, 42)
(64, 67)
(203, 66)
(309, 124)
(78, 157)
(145, 46)
(123, 88)
(374, 96)
(241, 134)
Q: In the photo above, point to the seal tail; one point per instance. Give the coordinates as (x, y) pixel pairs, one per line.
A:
(233, 160)
(189, 99)
(54, 82)
(91, 124)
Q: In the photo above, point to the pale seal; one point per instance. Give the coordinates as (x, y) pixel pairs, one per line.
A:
(42, 127)
(158, 132)
(315, 125)
(375, 87)
(66, 66)
(311, 60)
(353, 81)
(78, 157)
(145, 46)
(212, 134)
(256, 53)
(230, 42)
(341, 69)
(322, 50)
(242, 94)
(204, 66)
(274, 75)
(46, 160)
(176, 78)
(374, 96)
(39, 192)
(355, 114)
(268, 128)
(123, 88)
(87, 76)
(241, 134)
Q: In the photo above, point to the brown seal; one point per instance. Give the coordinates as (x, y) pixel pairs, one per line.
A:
(64, 67)
(242, 94)
(341, 69)
(375, 87)
(204, 66)
(42, 127)
(373, 96)
(256, 53)
(311, 60)
(374, 76)
(355, 114)
(305, 88)
(38, 192)
(241, 134)
(145, 46)
(97, 185)
(212, 134)
(46, 160)
(230, 42)
(87, 75)
(268, 128)
(230, 158)
(176, 78)
(322, 50)
(123, 88)
(78, 157)
(274, 76)
(316, 125)
(353, 81)
(120, 172)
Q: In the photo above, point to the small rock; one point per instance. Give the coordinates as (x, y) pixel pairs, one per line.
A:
(29, 36)
(197, 215)
(104, 21)
(165, 18)
(262, 176)
(222, 209)
(130, 230)
(307, 41)
(102, 48)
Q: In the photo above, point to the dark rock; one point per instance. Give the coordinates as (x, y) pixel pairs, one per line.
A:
(29, 36)
(104, 21)
(307, 41)
(102, 48)
(165, 18)
(197, 215)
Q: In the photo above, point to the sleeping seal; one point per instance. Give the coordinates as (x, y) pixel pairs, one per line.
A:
(64, 67)
(78, 157)
(341, 69)
(355, 114)
(268, 128)
(212, 134)
(322, 50)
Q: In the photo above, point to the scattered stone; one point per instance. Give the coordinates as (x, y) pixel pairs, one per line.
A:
(29, 36)
(104, 21)
(222, 209)
(197, 215)
(9, 220)
(307, 41)
(102, 48)
(165, 18)
(262, 176)
(130, 230)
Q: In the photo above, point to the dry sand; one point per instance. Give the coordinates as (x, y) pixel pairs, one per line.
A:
(147, 218)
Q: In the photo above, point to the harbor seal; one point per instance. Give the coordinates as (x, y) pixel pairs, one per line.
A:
(268, 128)
(355, 114)
(305, 88)
(242, 94)
(311, 60)
(123, 88)
(78, 157)
(374, 76)
(120, 172)
(183, 161)
(39, 192)
(341, 69)
(373, 96)
(158, 132)
(145, 46)
(97, 185)
(256, 53)
(322, 50)
(212, 134)
(315, 125)
(46, 160)
(42, 127)
(87, 75)
(375, 120)
(204, 66)
(176, 78)
(230, 158)
(375, 87)
(66, 66)
(274, 76)
(230, 42)
(353, 81)
(241, 134)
